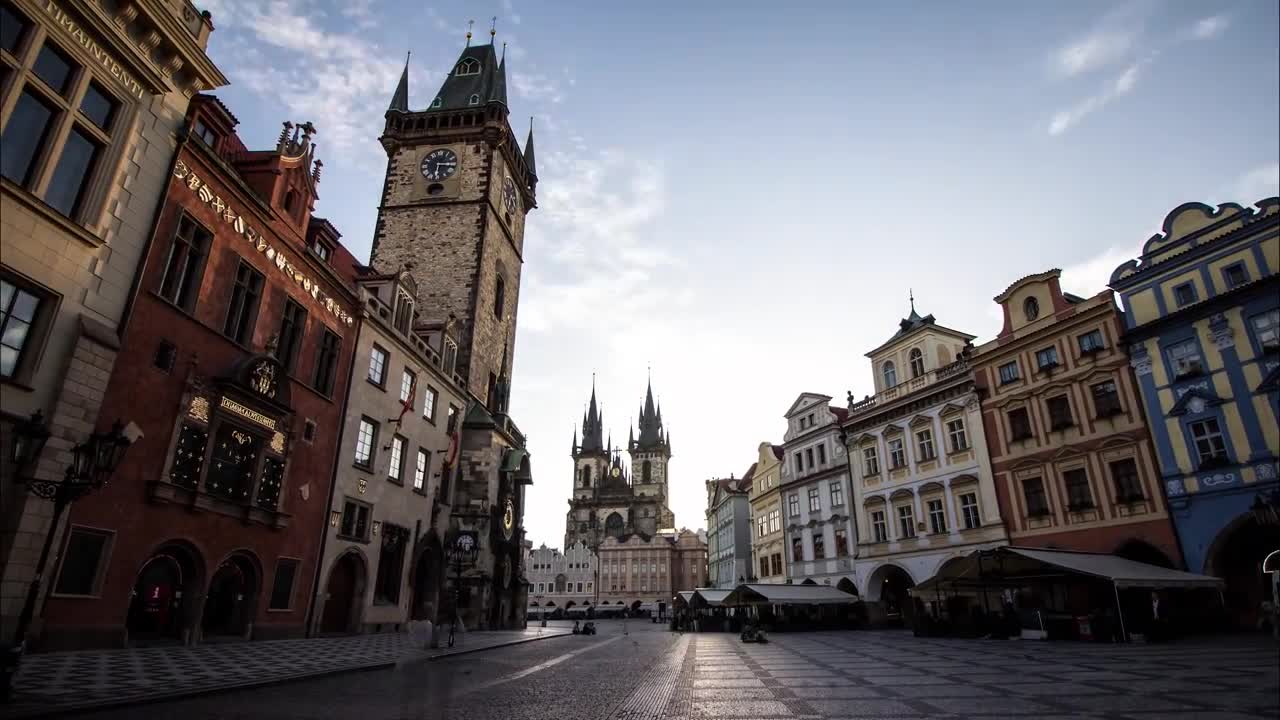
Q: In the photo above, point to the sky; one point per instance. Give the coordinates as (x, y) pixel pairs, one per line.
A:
(736, 198)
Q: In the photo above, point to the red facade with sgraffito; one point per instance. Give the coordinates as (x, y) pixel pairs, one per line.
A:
(235, 364)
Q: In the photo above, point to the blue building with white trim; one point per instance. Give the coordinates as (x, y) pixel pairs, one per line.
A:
(1202, 321)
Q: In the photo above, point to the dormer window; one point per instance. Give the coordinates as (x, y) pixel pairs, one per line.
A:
(475, 100)
(469, 66)
(202, 131)
(321, 250)
(437, 103)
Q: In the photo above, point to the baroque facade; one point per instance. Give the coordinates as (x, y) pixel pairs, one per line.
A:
(90, 122)
(768, 546)
(817, 513)
(609, 499)
(922, 485)
(1202, 324)
(645, 572)
(561, 580)
(1070, 452)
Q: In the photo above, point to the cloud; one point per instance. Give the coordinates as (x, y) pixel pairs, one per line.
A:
(1096, 50)
(1210, 27)
(509, 12)
(1089, 277)
(1258, 183)
(361, 11)
(1064, 120)
(536, 87)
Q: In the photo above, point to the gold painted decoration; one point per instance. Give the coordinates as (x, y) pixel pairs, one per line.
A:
(244, 412)
(199, 408)
(277, 442)
(256, 241)
(263, 379)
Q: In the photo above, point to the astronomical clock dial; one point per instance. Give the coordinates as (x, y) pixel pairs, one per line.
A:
(509, 196)
(508, 518)
(617, 472)
(439, 164)
(466, 543)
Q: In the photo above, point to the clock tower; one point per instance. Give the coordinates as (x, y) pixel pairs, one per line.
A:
(458, 187)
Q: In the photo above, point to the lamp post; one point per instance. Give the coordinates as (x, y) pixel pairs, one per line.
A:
(92, 464)
(462, 551)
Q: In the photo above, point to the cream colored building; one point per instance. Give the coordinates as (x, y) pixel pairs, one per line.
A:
(382, 563)
(92, 107)
(640, 571)
(768, 551)
(562, 580)
(922, 481)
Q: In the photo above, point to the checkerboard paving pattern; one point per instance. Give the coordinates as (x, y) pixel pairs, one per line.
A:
(49, 682)
(893, 674)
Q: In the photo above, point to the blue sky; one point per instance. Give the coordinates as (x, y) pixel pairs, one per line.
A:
(740, 195)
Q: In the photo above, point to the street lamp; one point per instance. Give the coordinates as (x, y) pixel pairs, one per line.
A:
(462, 551)
(92, 464)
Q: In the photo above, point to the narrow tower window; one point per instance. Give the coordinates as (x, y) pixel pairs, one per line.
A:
(499, 296)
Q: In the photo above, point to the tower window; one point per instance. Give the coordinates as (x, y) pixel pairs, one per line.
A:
(469, 66)
(890, 375)
(436, 103)
(499, 296)
(475, 100)
(646, 471)
(917, 363)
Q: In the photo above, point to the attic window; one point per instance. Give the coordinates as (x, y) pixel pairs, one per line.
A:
(470, 66)
(475, 100)
(321, 250)
(202, 131)
(436, 103)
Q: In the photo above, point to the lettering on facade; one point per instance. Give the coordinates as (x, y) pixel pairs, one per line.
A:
(257, 242)
(77, 33)
(244, 412)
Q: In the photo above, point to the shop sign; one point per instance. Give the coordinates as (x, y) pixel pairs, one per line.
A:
(77, 33)
(256, 241)
(244, 412)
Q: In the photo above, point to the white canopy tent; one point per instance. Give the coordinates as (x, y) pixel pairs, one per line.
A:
(781, 594)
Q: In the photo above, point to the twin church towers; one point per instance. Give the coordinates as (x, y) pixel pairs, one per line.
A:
(613, 500)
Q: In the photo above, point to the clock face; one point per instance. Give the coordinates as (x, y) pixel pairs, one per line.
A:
(509, 195)
(439, 164)
(617, 472)
(466, 542)
(508, 518)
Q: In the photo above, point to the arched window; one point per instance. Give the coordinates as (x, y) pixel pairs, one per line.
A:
(290, 201)
(470, 66)
(499, 297)
(586, 476)
(1031, 308)
(475, 100)
(917, 362)
(646, 471)
(890, 374)
(437, 103)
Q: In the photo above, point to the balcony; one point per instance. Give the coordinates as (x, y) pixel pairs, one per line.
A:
(903, 389)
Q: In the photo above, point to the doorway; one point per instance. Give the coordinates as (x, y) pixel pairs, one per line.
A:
(162, 595)
(346, 584)
(229, 604)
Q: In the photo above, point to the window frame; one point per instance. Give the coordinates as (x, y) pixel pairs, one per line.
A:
(1058, 408)
(793, 505)
(1185, 358)
(1218, 456)
(421, 470)
(870, 461)
(1079, 492)
(1013, 377)
(1272, 317)
(957, 429)
(293, 334)
(67, 116)
(970, 520)
(1042, 509)
(1091, 342)
(889, 372)
(102, 564)
(815, 499)
(1235, 266)
(925, 446)
(358, 505)
(395, 468)
(376, 351)
(33, 340)
(1047, 358)
(408, 392)
(906, 520)
(328, 356)
(937, 516)
(283, 561)
(368, 464)
(879, 527)
(1017, 434)
(244, 303)
(430, 399)
(896, 462)
(1127, 486)
(1106, 404)
(836, 491)
(915, 360)
(185, 294)
(1178, 290)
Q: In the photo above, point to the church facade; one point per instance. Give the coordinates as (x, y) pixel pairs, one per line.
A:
(611, 499)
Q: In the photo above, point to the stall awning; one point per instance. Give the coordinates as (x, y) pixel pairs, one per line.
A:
(683, 598)
(709, 597)
(779, 594)
(1010, 564)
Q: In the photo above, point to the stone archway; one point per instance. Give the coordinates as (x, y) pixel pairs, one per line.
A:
(888, 587)
(343, 594)
(231, 600)
(1237, 555)
(165, 597)
(614, 525)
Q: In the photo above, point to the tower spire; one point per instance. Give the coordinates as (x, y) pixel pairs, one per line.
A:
(528, 154)
(912, 296)
(493, 28)
(400, 98)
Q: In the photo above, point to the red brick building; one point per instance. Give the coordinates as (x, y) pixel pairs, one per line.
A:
(235, 363)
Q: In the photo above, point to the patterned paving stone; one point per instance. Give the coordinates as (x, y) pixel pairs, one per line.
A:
(862, 708)
(727, 683)
(742, 709)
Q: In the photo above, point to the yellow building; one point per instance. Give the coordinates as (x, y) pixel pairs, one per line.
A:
(768, 551)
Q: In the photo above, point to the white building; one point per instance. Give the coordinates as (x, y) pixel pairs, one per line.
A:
(729, 530)
(560, 580)
(922, 484)
(816, 508)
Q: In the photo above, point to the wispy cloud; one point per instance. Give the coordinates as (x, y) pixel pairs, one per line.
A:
(1210, 27)
(1098, 49)
(1064, 120)
(509, 12)
(1258, 183)
(1089, 277)
(536, 87)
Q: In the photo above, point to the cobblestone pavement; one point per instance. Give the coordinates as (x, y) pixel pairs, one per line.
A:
(651, 674)
(53, 681)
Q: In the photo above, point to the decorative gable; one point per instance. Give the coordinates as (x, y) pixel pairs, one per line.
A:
(1195, 400)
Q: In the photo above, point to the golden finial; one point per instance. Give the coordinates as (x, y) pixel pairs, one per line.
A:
(493, 28)
(470, 23)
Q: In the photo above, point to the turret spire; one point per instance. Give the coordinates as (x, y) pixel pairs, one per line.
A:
(400, 98)
(528, 153)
